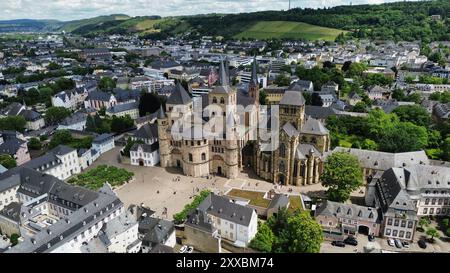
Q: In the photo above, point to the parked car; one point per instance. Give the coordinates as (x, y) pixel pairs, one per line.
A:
(371, 238)
(405, 244)
(351, 241)
(422, 244)
(391, 242)
(190, 249)
(398, 244)
(338, 243)
(183, 249)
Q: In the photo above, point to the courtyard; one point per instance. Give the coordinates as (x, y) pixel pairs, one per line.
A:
(161, 189)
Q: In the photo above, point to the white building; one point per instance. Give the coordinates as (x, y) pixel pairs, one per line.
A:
(103, 143)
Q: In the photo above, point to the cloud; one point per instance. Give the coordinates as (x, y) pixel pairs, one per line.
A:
(77, 9)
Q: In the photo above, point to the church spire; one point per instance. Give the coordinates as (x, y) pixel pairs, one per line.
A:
(223, 77)
(254, 79)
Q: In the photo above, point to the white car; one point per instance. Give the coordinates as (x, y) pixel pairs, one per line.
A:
(183, 249)
(190, 249)
(391, 242)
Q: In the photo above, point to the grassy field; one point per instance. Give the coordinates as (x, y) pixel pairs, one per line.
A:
(292, 30)
(256, 198)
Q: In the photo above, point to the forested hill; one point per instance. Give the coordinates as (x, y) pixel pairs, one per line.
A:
(397, 21)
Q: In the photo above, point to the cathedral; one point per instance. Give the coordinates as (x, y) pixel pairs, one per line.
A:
(297, 161)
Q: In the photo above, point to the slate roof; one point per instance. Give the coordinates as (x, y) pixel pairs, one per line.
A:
(77, 117)
(383, 161)
(103, 138)
(99, 95)
(179, 95)
(147, 131)
(156, 231)
(12, 211)
(303, 150)
(341, 210)
(145, 147)
(314, 127)
(118, 108)
(11, 146)
(294, 98)
(223, 208)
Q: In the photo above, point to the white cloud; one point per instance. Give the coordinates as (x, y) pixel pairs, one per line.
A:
(77, 9)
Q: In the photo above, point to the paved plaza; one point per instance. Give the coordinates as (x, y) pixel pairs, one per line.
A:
(160, 188)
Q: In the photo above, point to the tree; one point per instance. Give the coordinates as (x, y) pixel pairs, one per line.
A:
(13, 123)
(342, 175)
(263, 239)
(121, 124)
(304, 234)
(7, 161)
(360, 107)
(446, 149)
(102, 111)
(432, 232)
(262, 97)
(403, 137)
(107, 84)
(282, 80)
(61, 137)
(53, 115)
(413, 113)
(150, 103)
(129, 145)
(14, 239)
(424, 221)
(398, 94)
(34, 144)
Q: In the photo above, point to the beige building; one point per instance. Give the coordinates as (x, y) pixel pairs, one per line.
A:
(297, 161)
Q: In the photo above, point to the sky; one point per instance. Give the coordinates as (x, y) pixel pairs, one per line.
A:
(66, 10)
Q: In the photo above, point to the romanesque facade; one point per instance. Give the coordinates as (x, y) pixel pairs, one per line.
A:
(297, 161)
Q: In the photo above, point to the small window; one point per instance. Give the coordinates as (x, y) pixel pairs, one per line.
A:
(190, 158)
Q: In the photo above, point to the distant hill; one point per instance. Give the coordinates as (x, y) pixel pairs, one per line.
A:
(391, 21)
(288, 30)
(77, 24)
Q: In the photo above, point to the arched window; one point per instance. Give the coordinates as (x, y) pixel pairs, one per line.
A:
(222, 100)
(214, 100)
(203, 156)
(190, 158)
(282, 150)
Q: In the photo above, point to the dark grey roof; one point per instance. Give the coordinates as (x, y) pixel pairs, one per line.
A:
(223, 75)
(12, 211)
(103, 138)
(118, 108)
(147, 131)
(319, 112)
(30, 115)
(341, 210)
(161, 114)
(254, 78)
(122, 95)
(224, 208)
(156, 230)
(11, 146)
(74, 119)
(279, 201)
(99, 95)
(314, 126)
(179, 96)
(300, 85)
(303, 150)
(145, 147)
(160, 248)
(294, 98)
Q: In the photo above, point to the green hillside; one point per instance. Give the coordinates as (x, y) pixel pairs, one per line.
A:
(74, 25)
(291, 30)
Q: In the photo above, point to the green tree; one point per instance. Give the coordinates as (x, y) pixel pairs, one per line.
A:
(446, 149)
(150, 103)
(61, 137)
(413, 113)
(342, 175)
(34, 144)
(107, 84)
(432, 232)
(14, 239)
(120, 124)
(282, 80)
(403, 137)
(53, 115)
(304, 234)
(424, 222)
(263, 239)
(13, 123)
(398, 94)
(262, 97)
(7, 161)
(360, 107)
